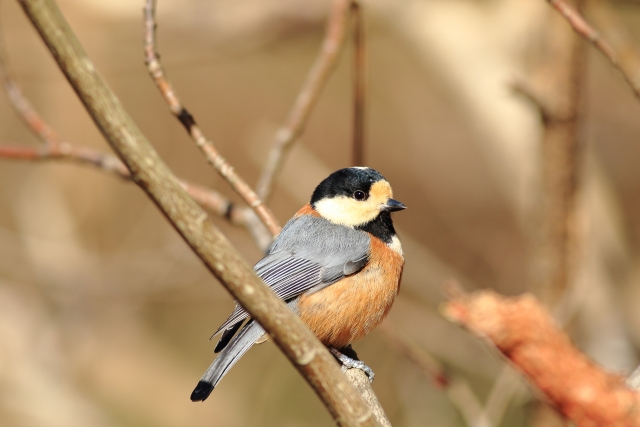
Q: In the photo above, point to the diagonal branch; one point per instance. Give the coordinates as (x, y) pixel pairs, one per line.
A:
(148, 170)
(211, 153)
(582, 27)
(308, 96)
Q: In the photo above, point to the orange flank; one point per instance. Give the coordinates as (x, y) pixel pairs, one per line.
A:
(350, 308)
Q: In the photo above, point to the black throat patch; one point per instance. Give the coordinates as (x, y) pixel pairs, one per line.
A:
(381, 227)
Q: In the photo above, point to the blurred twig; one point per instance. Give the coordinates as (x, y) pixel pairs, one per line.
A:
(561, 158)
(501, 393)
(211, 153)
(457, 389)
(627, 54)
(359, 84)
(307, 97)
(582, 27)
(526, 334)
(22, 105)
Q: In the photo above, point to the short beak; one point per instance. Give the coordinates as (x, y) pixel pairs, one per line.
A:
(393, 205)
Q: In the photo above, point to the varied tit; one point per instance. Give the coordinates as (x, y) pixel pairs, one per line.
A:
(337, 263)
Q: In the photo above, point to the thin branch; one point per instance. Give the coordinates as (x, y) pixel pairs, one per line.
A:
(22, 105)
(359, 84)
(582, 27)
(527, 335)
(308, 96)
(104, 162)
(628, 56)
(148, 170)
(209, 199)
(212, 155)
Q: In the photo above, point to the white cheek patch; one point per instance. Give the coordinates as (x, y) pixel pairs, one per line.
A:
(395, 245)
(345, 211)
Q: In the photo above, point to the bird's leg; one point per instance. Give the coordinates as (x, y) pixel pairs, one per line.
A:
(351, 362)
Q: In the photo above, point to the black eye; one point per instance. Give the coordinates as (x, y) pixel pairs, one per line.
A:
(359, 195)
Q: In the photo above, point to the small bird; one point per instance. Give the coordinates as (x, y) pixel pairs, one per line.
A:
(338, 265)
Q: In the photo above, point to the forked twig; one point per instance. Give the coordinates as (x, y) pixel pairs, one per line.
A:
(308, 96)
(582, 27)
(212, 155)
(359, 84)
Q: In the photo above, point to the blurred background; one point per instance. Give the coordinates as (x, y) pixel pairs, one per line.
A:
(104, 311)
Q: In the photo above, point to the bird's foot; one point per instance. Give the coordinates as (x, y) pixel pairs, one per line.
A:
(349, 362)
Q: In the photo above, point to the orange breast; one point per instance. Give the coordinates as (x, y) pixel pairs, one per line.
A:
(349, 309)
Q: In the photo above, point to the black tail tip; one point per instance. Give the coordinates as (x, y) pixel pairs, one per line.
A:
(201, 392)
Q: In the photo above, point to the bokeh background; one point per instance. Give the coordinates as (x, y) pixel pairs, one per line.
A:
(104, 311)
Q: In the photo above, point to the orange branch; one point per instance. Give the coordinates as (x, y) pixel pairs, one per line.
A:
(527, 335)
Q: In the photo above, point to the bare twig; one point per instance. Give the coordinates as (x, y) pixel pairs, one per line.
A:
(308, 96)
(304, 351)
(628, 56)
(209, 199)
(208, 148)
(359, 84)
(582, 27)
(22, 105)
(105, 162)
(527, 335)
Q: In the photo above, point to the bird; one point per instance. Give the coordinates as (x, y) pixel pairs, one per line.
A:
(337, 264)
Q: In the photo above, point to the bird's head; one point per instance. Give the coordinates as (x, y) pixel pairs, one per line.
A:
(354, 196)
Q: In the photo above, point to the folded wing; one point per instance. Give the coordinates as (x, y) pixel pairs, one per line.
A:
(309, 254)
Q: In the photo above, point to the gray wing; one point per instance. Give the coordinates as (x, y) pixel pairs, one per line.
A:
(309, 253)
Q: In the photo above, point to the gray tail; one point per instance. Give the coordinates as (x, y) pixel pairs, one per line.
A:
(238, 346)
